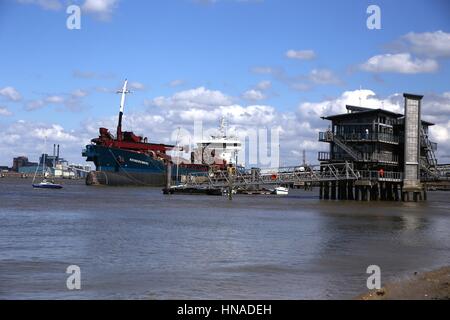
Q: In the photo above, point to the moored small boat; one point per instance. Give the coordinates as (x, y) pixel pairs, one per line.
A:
(282, 191)
(47, 185)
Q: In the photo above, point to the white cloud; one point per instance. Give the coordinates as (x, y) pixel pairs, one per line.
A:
(72, 101)
(431, 44)
(301, 54)
(211, 2)
(91, 75)
(10, 93)
(103, 9)
(79, 93)
(399, 63)
(302, 82)
(200, 98)
(253, 95)
(264, 85)
(34, 104)
(45, 4)
(246, 116)
(323, 76)
(298, 130)
(266, 70)
(253, 115)
(55, 132)
(441, 133)
(54, 100)
(366, 98)
(5, 112)
(137, 86)
(176, 83)
(28, 138)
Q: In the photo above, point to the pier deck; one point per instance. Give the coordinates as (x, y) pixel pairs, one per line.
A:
(336, 181)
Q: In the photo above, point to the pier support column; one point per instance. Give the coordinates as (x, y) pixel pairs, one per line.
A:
(326, 190)
(350, 190)
(368, 193)
(405, 196)
(390, 192)
(321, 190)
(377, 196)
(339, 190)
(382, 191)
(333, 190)
(167, 189)
(344, 190)
(395, 190)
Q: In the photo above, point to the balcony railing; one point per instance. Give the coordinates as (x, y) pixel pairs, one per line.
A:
(380, 157)
(366, 157)
(326, 136)
(360, 136)
(324, 156)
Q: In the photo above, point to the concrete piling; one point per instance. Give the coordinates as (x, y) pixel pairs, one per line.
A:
(365, 191)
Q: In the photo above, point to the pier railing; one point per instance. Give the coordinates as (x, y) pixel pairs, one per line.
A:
(286, 176)
(390, 176)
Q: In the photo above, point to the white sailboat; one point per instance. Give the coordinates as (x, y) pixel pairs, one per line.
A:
(44, 184)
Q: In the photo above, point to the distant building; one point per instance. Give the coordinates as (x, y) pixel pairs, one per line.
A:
(4, 168)
(20, 162)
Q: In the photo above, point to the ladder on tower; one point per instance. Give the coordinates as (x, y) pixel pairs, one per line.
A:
(429, 164)
(349, 150)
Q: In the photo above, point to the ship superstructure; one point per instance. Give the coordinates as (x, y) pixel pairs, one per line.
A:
(224, 148)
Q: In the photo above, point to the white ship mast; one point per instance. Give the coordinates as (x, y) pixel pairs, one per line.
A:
(124, 92)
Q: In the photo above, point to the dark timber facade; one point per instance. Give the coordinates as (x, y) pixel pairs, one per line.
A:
(391, 152)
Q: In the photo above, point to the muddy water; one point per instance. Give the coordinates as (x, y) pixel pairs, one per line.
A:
(135, 243)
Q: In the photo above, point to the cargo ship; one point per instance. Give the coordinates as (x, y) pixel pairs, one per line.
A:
(129, 159)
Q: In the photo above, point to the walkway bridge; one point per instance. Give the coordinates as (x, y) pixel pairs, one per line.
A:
(286, 176)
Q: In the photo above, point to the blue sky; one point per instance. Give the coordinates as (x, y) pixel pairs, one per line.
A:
(237, 51)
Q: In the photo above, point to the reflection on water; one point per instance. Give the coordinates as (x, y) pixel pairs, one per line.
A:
(137, 243)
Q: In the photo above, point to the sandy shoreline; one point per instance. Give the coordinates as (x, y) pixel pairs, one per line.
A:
(432, 285)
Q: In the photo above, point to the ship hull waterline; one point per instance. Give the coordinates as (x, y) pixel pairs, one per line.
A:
(119, 167)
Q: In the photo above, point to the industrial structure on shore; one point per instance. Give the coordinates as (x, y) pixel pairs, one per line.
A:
(374, 154)
(54, 166)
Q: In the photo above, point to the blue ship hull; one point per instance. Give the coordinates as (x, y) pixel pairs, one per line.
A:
(123, 167)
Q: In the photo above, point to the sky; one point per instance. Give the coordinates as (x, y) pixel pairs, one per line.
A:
(262, 64)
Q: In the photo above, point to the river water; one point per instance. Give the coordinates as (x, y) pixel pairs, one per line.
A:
(135, 243)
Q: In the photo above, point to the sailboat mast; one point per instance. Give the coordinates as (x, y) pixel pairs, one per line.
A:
(178, 153)
(43, 158)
